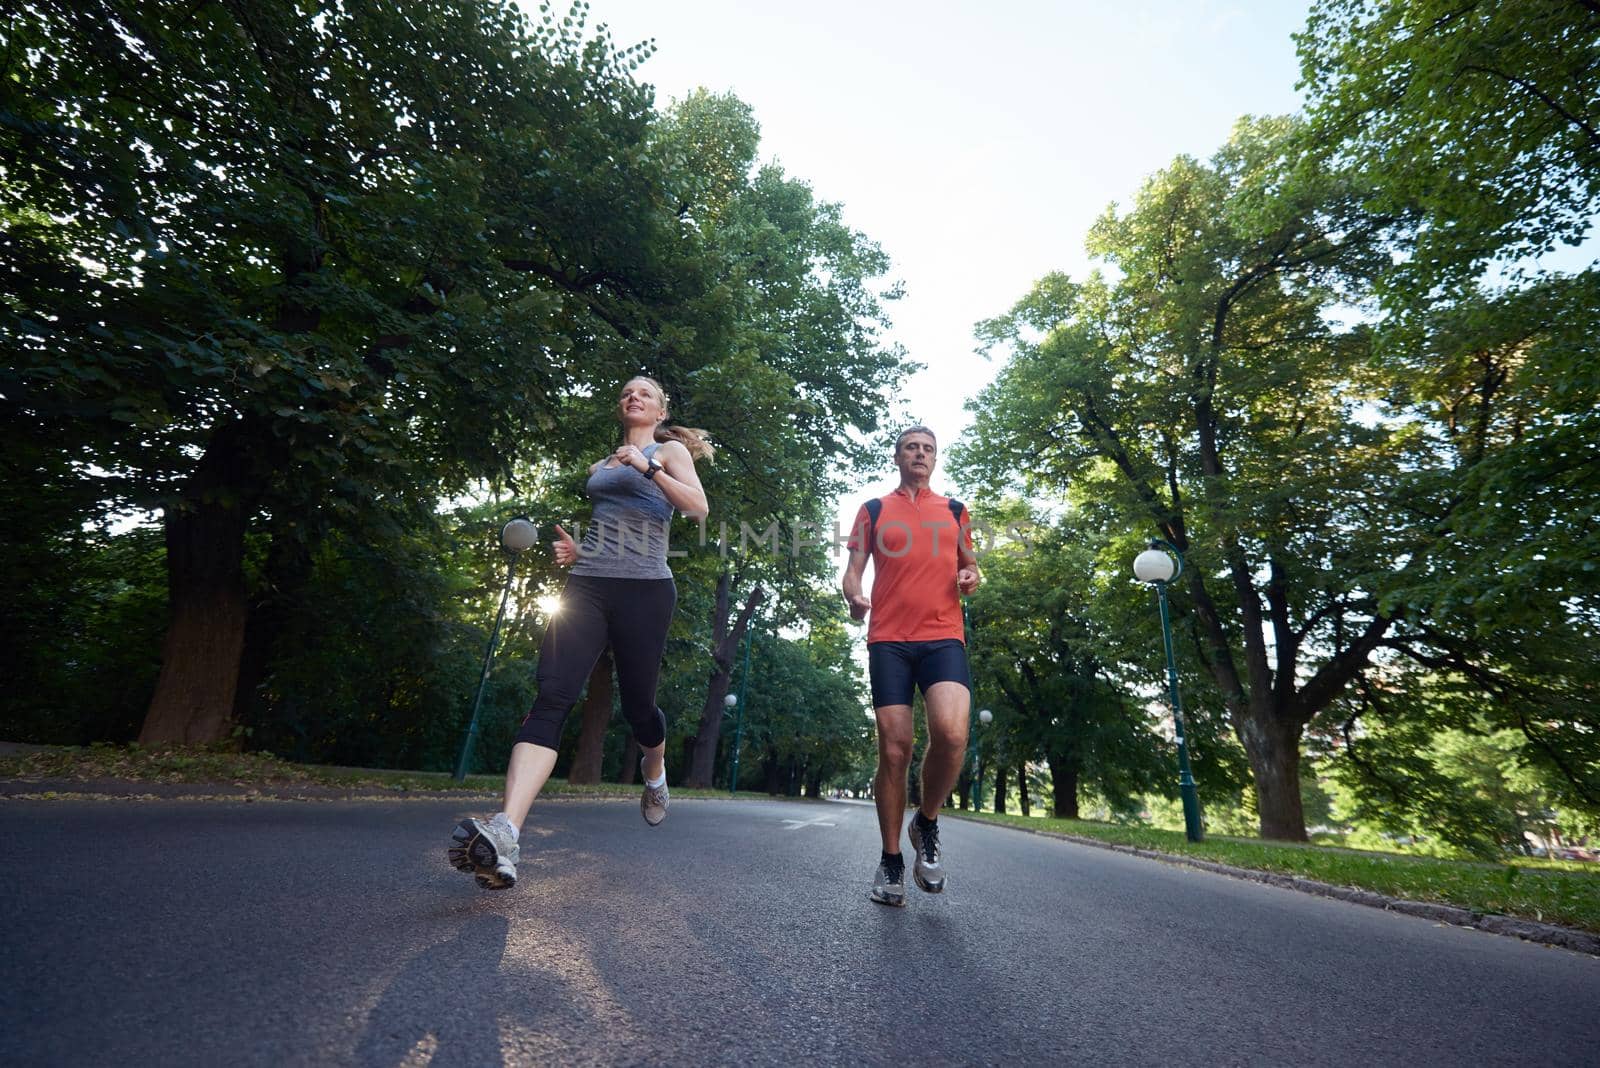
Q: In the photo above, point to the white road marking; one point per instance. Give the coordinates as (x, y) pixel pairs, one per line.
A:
(814, 821)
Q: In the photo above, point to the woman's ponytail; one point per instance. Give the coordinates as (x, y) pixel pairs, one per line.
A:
(695, 440)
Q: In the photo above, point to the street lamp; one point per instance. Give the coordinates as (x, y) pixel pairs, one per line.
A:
(516, 537)
(732, 701)
(1157, 568)
(985, 717)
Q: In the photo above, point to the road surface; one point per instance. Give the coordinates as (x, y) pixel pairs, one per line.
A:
(738, 933)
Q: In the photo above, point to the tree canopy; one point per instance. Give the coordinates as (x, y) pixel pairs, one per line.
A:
(1325, 368)
(291, 279)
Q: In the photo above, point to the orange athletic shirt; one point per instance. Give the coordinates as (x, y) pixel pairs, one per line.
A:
(914, 564)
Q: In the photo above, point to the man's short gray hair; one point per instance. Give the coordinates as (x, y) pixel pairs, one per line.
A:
(913, 430)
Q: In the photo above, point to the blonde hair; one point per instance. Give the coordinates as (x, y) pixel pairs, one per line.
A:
(692, 438)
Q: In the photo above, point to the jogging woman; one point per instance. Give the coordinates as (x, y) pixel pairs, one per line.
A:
(619, 594)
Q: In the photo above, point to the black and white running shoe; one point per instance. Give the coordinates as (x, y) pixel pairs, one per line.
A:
(890, 886)
(928, 870)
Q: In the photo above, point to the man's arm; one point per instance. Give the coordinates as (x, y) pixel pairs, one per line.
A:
(860, 604)
(967, 576)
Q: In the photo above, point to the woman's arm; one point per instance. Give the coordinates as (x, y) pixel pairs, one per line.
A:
(679, 480)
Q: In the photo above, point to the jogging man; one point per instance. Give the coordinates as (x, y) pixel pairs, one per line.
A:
(920, 545)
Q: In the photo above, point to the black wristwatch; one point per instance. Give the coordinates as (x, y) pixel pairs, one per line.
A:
(653, 469)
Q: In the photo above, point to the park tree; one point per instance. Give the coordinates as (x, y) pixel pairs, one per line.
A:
(1040, 664)
(1353, 495)
(806, 722)
(375, 664)
(1506, 605)
(282, 277)
(1429, 766)
(1482, 120)
(1205, 391)
(808, 376)
(775, 471)
(278, 265)
(1483, 115)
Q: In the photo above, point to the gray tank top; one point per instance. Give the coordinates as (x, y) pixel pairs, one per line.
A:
(627, 535)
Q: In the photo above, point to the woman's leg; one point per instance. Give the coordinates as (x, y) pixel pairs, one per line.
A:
(526, 774)
(573, 642)
(638, 638)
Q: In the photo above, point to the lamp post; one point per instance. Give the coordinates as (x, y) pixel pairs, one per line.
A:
(1156, 567)
(985, 717)
(731, 701)
(516, 537)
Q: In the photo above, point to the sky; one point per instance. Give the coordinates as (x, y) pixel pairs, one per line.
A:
(975, 142)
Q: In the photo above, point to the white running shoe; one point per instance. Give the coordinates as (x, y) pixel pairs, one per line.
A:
(653, 804)
(928, 870)
(487, 851)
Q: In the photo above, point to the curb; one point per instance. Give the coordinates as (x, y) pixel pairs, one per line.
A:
(87, 789)
(142, 790)
(1494, 923)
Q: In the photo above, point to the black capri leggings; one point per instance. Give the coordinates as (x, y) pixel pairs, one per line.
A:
(630, 615)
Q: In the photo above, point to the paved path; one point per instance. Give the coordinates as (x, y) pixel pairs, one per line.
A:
(276, 933)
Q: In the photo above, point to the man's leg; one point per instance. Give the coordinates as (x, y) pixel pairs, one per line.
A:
(890, 669)
(889, 794)
(895, 736)
(948, 706)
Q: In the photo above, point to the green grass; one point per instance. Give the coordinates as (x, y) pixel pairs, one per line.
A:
(1566, 893)
(207, 766)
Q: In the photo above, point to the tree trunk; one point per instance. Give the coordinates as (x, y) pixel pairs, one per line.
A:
(1000, 788)
(194, 694)
(1064, 777)
(596, 712)
(1022, 786)
(724, 646)
(964, 788)
(771, 773)
(1274, 751)
(630, 761)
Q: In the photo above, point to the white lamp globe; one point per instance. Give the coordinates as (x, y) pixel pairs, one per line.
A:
(985, 716)
(730, 700)
(519, 535)
(1153, 565)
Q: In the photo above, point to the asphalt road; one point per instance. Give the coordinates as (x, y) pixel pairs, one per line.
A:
(275, 933)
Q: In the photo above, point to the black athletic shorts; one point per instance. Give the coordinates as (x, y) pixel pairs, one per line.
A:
(897, 668)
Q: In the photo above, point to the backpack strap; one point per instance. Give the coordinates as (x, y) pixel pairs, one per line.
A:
(956, 508)
(874, 509)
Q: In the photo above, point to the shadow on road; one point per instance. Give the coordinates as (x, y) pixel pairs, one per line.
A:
(439, 1010)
